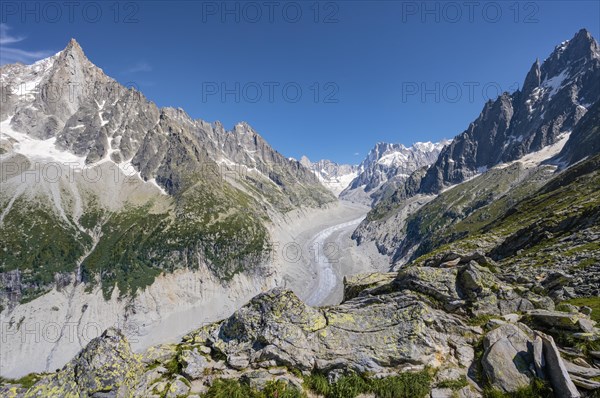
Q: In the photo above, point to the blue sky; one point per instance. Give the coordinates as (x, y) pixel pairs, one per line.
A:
(367, 71)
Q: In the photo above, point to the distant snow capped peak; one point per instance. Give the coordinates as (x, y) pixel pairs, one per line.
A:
(429, 146)
(389, 163)
(332, 175)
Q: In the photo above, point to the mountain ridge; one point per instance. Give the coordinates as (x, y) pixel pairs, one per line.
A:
(527, 120)
(524, 126)
(493, 289)
(386, 166)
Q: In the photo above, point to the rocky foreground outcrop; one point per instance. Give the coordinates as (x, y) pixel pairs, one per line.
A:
(452, 317)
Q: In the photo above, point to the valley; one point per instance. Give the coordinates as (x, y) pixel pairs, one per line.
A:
(202, 263)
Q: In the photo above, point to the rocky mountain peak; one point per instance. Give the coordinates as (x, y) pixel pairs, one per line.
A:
(572, 54)
(73, 46)
(243, 128)
(305, 161)
(555, 95)
(533, 78)
(332, 175)
(74, 58)
(583, 40)
(386, 166)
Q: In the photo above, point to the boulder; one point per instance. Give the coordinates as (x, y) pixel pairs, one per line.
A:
(178, 388)
(105, 367)
(356, 284)
(511, 318)
(439, 283)
(554, 320)
(584, 383)
(194, 363)
(586, 325)
(238, 362)
(556, 370)
(540, 302)
(369, 333)
(506, 359)
(556, 280)
(148, 380)
(159, 354)
(581, 371)
(476, 281)
(514, 304)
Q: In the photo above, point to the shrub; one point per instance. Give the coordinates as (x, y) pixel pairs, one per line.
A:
(405, 385)
(537, 389)
(457, 384)
(226, 388)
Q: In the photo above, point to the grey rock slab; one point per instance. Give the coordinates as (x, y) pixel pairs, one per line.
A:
(538, 357)
(506, 358)
(557, 370)
(584, 383)
(581, 371)
(441, 393)
(555, 319)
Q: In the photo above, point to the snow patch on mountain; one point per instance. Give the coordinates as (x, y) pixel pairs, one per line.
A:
(34, 149)
(386, 165)
(335, 177)
(534, 159)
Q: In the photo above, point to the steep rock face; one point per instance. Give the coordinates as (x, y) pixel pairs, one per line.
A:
(414, 221)
(585, 139)
(506, 358)
(555, 95)
(109, 142)
(388, 166)
(141, 192)
(550, 233)
(90, 115)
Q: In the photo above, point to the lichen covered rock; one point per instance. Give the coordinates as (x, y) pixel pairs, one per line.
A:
(106, 367)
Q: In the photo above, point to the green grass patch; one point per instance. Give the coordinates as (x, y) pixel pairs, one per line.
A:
(592, 302)
(404, 385)
(39, 243)
(537, 389)
(218, 228)
(27, 381)
(229, 388)
(455, 385)
(481, 320)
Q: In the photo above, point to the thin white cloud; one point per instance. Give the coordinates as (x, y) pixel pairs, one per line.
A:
(11, 54)
(139, 67)
(5, 37)
(356, 153)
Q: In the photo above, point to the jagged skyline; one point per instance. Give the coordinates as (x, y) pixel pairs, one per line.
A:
(370, 107)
